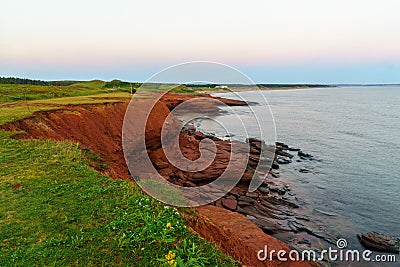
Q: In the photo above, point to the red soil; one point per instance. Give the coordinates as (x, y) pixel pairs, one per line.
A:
(238, 237)
(99, 128)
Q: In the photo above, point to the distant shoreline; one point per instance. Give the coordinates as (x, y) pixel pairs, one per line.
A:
(267, 86)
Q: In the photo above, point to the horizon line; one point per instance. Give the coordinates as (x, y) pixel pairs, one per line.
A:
(257, 83)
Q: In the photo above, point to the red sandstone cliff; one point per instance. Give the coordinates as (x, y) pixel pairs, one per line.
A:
(99, 128)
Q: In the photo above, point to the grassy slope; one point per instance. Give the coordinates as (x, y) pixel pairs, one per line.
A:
(56, 211)
(19, 93)
(21, 101)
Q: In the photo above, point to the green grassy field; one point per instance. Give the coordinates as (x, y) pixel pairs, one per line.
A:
(15, 93)
(18, 101)
(21, 101)
(56, 210)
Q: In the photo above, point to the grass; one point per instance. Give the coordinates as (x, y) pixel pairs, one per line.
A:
(15, 93)
(55, 210)
(14, 113)
(18, 101)
(89, 99)
(21, 101)
(17, 111)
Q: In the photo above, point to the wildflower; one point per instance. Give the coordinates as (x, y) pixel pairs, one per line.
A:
(169, 225)
(170, 257)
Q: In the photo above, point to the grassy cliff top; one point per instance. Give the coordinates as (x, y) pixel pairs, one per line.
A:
(18, 101)
(56, 210)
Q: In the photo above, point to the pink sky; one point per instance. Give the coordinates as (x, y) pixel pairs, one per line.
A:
(40, 37)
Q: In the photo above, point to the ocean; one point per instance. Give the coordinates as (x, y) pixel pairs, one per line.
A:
(354, 185)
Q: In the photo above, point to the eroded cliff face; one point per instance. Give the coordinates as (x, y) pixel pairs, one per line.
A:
(99, 128)
(96, 127)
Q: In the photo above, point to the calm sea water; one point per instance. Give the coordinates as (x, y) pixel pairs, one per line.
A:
(355, 132)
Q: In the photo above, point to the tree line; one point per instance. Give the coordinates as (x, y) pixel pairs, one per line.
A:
(14, 80)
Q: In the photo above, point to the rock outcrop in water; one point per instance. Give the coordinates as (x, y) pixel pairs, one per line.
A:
(379, 242)
(272, 207)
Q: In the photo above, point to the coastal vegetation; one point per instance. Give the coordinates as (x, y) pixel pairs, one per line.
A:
(56, 209)
(59, 206)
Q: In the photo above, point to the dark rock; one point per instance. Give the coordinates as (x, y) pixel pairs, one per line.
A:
(188, 184)
(274, 174)
(304, 170)
(303, 155)
(305, 241)
(252, 140)
(292, 149)
(284, 154)
(283, 160)
(380, 242)
(230, 197)
(299, 227)
(218, 203)
(252, 194)
(263, 190)
(281, 145)
(278, 201)
(275, 165)
(268, 225)
(199, 135)
(246, 199)
(243, 203)
(235, 193)
(189, 128)
(180, 175)
(250, 217)
(271, 211)
(304, 218)
(277, 189)
(162, 165)
(229, 203)
(255, 143)
(216, 190)
(247, 210)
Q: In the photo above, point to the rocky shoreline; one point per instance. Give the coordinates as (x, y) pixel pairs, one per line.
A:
(273, 207)
(98, 129)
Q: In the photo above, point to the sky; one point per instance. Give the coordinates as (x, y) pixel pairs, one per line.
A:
(285, 41)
